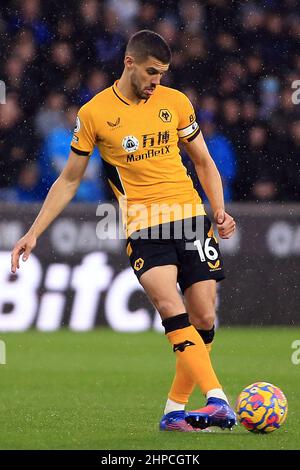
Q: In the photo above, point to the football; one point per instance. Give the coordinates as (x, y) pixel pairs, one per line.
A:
(261, 407)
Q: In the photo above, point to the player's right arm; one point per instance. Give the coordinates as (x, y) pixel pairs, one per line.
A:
(60, 194)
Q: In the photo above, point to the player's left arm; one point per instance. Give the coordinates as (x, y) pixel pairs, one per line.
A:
(211, 182)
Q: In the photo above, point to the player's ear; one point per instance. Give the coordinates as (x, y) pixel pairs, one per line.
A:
(128, 61)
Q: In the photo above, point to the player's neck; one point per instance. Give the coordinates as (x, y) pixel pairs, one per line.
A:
(125, 88)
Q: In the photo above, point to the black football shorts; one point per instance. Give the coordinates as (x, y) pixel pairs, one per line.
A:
(189, 244)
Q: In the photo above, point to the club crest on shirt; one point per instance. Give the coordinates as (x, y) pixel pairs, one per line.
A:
(165, 115)
(130, 143)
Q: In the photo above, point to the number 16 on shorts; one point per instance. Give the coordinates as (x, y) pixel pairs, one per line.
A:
(206, 252)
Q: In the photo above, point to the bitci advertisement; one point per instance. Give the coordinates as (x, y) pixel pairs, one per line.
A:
(78, 279)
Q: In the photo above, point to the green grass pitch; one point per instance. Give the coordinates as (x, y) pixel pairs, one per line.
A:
(106, 390)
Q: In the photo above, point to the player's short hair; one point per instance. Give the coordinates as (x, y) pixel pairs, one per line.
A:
(147, 43)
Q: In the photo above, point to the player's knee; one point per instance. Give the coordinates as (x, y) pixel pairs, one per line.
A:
(208, 320)
(166, 308)
(204, 321)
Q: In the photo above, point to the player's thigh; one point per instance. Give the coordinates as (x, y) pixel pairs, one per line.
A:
(160, 284)
(200, 301)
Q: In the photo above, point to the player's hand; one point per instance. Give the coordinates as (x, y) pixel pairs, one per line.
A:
(23, 247)
(225, 223)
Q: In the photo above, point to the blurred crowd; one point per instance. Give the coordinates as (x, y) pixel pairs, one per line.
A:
(236, 60)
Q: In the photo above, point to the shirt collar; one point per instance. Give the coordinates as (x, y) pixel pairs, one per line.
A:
(123, 98)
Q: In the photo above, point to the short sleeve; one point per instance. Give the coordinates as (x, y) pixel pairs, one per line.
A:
(84, 136)
(188, 128)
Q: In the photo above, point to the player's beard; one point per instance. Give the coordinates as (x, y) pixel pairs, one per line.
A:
(138, 91)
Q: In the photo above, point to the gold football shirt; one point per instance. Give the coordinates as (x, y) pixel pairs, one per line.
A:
(139, 147)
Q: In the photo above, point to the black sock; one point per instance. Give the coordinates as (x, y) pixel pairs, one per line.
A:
(207, 335)
(176, 323)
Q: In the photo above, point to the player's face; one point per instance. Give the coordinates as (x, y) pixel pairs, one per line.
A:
(146, 76)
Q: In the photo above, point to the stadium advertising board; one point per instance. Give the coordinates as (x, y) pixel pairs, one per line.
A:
(75, 279)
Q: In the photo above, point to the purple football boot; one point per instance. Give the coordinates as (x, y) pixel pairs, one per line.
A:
(217, 412)
(175, 421)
